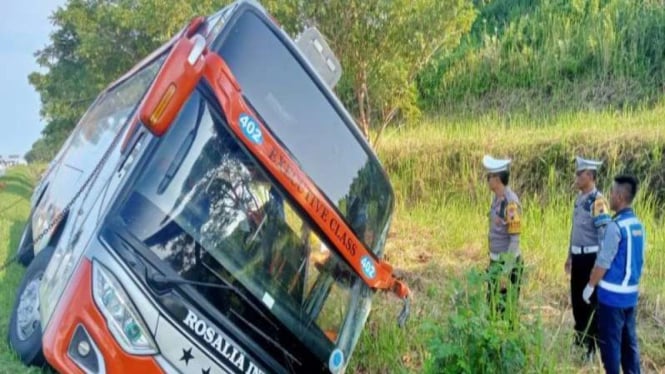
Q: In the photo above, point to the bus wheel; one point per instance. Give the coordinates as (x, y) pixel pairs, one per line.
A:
(25, 330)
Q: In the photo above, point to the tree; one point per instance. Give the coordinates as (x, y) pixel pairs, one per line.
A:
(94, 43)
(382, 45)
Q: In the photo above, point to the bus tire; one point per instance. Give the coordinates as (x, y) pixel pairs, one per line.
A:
(25, 330)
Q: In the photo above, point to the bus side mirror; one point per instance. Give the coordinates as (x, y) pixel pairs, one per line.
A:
(178, 76)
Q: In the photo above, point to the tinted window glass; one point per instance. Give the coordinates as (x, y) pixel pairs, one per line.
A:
(104, 119)
(301, 116)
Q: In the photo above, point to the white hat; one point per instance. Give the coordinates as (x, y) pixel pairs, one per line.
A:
(494, 165)
(583, 164)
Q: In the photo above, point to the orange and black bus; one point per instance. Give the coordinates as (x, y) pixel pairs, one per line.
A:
(215, 210)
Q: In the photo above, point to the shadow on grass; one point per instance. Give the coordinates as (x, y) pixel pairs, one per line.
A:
(17, 184)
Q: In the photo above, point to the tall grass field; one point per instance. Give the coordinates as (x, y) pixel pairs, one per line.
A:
(438, 242)
(541, 56)
(15, 195)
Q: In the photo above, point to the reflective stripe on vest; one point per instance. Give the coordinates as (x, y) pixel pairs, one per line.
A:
(618, 288)
(624, 288)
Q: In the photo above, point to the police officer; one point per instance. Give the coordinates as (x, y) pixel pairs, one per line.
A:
(617, 273)
(504, 235)
(590, 216)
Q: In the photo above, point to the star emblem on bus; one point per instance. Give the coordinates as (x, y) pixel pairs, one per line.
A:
(186, 356)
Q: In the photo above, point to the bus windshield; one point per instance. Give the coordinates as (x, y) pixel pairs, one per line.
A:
(206, 209)
(296, 110)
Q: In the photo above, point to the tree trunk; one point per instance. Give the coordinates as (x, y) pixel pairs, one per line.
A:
(386, 121)
(363, 103)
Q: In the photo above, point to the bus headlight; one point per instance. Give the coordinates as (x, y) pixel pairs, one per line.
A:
(123, 320)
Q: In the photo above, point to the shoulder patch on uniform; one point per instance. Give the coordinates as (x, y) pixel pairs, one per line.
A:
(513, 220)
(512, 197)
(600, 211)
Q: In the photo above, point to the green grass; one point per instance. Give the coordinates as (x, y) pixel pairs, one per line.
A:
(14, 209)
(441, 157)
(550, 55)
(440, 227)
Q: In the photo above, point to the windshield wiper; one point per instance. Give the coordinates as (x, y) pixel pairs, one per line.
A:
(161, 283)
(178, 159)
(185, 146)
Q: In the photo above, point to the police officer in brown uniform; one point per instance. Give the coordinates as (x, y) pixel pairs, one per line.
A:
(504, 234)
(590, 215)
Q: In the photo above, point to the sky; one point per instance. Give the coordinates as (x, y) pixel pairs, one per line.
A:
(24, 29)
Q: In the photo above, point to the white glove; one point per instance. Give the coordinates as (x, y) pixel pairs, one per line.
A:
(586, 295)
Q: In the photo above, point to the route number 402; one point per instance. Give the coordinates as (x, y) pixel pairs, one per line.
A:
(251, 129)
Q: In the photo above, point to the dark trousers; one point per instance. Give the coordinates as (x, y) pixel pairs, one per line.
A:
(617, 338)
(500, 297)
(585, 324)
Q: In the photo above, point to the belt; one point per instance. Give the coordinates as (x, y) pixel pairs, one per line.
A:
(576, 249)
(497, 256)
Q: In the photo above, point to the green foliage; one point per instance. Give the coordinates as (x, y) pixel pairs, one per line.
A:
(93, 44)
(382, 45)
(476, 339)
(45, 148)
(555, 55)
(543, 153)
